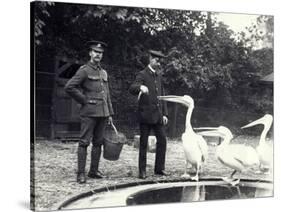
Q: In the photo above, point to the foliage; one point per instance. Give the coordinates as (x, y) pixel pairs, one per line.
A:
(205, 62)
(216, 67)
(263, 60)
(40, 14)
(260, 33)
(203, 57)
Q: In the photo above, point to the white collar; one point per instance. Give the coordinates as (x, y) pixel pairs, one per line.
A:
(153, 70)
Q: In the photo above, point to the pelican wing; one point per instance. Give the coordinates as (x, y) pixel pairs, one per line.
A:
(230, 161)
(239, 161)
(247, 155)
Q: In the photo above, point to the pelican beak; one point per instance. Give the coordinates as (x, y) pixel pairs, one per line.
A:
(213, 132)
(170, 98)
(254, 123)
(205, 128)
(173, 98)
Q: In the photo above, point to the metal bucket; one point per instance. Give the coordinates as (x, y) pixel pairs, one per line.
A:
(112, 147)
(111, 151)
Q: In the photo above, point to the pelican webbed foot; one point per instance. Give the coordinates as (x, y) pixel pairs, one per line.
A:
(195, 178)
(231, 181)
(235, 182)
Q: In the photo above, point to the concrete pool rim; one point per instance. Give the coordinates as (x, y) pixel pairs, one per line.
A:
(203, 181)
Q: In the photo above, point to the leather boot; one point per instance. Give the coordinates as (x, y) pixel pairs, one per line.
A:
(142, 165)
(81, 178)
(82, 156)
(95, 159)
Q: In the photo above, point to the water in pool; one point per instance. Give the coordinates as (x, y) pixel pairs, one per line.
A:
(156, 193)
(196, 193)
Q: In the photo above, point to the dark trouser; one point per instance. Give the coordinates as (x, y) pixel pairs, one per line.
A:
(160, 146)
(92, 130)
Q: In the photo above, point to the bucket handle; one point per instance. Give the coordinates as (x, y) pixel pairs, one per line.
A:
(140, 93)
(114, 128)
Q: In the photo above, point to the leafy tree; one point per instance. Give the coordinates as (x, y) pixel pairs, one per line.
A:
(40, 15)
(204, 59)
(260, 33)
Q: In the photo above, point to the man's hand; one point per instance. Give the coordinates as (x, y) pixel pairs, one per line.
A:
(165, 120)
(110, 120)
(143, 89)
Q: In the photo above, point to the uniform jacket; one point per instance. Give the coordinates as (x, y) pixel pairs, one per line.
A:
(89, 87)
(150, 109)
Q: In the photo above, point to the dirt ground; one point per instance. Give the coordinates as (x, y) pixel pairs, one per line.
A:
(55, 169)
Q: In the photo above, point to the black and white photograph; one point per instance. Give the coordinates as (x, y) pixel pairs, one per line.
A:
(147, 106)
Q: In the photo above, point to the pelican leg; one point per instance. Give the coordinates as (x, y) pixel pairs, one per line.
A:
(261, 167)
(186, 175)
(227, 179)
(230, 179)
(235, 182)
(196, 177)
(232, 174)
(201, 169)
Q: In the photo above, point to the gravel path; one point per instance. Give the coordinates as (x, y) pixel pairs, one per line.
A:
(55, 169)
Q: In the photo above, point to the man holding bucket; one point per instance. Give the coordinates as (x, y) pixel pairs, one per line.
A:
(152, 112)
(89, 87)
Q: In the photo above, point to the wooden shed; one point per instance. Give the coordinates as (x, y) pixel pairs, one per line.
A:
(65, 111)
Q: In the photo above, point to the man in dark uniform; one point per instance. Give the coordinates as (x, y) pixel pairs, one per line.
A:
(89, 87)
(152, 112)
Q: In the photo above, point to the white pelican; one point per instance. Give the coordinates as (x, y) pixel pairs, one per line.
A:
(194, 146)
(236, 156)
(264, 149)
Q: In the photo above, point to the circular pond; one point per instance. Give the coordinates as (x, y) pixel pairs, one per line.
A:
(168, 192)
